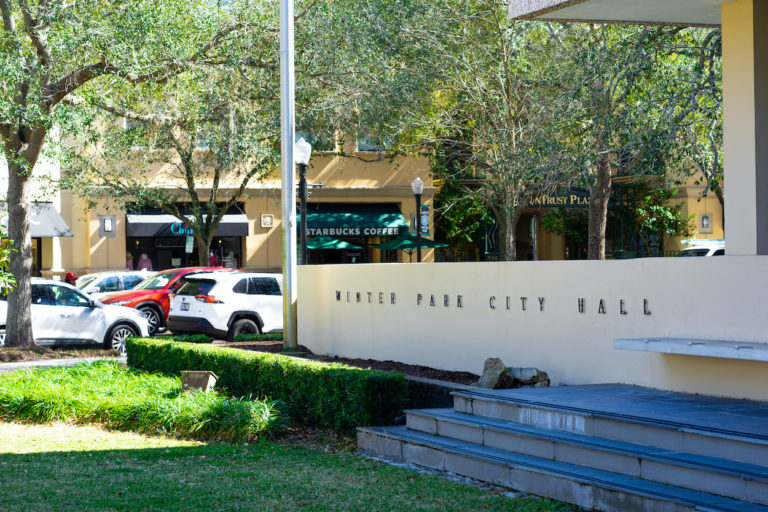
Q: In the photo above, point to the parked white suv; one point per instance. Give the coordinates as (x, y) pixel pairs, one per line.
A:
(225, 304)
(64, 315)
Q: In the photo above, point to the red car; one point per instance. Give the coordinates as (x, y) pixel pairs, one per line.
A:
(151, 296)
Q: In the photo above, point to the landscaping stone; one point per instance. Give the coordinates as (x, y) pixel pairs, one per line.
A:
(529, 377)
(495, 375)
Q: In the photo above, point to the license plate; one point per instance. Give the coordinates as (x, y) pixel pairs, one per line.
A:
(185, 306)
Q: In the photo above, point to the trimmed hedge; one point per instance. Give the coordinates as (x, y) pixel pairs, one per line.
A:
(259, 337)
(318, 394)
(188, 338)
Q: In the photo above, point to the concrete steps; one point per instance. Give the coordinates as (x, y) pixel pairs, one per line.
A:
(606, 457)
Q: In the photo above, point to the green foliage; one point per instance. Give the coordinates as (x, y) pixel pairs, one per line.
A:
(7, 281)
(569, 222)
(259, 337)
(660, 217)
(122, 399)
(321, 394)
(188, 338)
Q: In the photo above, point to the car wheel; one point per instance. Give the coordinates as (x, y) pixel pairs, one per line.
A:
(242, 326)
(2, 336)
(117, 336)
(155, 323)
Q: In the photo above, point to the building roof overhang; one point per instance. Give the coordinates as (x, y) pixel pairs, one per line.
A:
(642, 12)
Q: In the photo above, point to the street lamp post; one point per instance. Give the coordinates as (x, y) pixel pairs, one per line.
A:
(302, 151)
(417, 185)
(288, 194)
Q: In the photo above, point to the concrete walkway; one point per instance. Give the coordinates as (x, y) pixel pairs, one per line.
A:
(49, 363)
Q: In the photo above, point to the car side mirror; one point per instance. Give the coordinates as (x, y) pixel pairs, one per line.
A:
(91, 303)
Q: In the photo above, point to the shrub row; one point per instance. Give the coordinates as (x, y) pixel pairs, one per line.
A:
(318, 394)
(189, 338)
(123, 399)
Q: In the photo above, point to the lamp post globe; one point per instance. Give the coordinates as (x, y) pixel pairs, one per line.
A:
(302, 150)
(417, 186)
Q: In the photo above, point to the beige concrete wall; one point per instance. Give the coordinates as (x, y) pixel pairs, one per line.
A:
(263, 247)
(739, 126)
(709, 298)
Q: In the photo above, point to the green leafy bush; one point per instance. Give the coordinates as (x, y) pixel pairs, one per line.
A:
(323, 394)
(121, 399)
(258, 337)
(189, 338)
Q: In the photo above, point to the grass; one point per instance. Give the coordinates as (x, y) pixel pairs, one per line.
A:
(125, 399)
(57, 467)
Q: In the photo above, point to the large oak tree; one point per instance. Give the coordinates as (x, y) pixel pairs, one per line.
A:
(51, 49)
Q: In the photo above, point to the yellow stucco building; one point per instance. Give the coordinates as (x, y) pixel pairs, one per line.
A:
(362, 199)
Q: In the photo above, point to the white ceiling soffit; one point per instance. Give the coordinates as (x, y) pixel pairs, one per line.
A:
(654, 12)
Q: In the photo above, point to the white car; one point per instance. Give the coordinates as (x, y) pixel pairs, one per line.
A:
(703, 248)
(225, 304)
(108, 282)
(64, 315)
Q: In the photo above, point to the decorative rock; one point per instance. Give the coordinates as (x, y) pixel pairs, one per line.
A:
(529, 377)
(495, 375)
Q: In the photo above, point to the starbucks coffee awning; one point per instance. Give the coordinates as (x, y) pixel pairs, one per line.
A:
(354, 220)
(44, 221)
(161, 224)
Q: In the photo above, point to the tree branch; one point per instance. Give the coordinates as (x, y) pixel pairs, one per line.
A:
(8, 24)
(37, 38)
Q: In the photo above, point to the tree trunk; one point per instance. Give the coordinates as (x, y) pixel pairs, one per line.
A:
(204, 249)
(598, 210)
(19, 321)
(508, 236)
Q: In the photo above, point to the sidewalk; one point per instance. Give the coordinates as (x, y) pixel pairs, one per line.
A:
(49, 363)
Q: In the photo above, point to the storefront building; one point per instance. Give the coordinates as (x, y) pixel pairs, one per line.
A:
(355, 203)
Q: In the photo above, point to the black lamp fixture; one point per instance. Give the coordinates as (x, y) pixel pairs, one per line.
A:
(302, 151)
(417, 185)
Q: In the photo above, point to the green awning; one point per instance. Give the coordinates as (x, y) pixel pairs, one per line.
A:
(409, 242)
(354, 220)
(327, 242)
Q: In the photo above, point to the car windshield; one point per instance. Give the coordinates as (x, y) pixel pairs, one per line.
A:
(156, 282)
(85, 281)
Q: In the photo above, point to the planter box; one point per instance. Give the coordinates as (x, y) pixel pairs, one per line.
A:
(198, 380)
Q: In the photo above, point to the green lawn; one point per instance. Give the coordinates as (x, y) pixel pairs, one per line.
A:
(60, 467)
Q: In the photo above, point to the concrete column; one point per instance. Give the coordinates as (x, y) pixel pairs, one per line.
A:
(745, 107)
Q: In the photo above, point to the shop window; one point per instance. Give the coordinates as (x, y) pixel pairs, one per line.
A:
(373, 144)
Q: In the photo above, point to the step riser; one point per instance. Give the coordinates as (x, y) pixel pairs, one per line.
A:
(695, 479)
(615, 429)
(584, 495)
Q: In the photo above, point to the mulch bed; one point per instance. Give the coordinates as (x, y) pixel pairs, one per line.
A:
(408, 369)
(11, 354)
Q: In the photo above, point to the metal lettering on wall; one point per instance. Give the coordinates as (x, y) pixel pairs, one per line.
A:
(601, 306)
